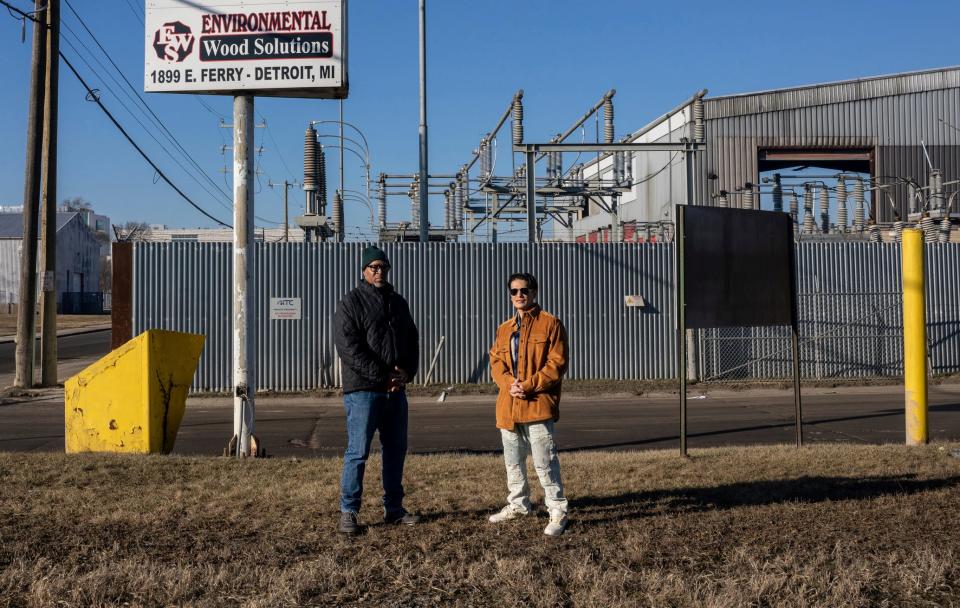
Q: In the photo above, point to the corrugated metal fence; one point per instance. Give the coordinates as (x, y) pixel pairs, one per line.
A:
(849, 306)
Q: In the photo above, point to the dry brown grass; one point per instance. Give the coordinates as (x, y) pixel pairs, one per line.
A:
(8, 323)
(823, 526)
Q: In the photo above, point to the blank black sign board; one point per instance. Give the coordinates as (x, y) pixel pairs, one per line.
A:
(738, 267)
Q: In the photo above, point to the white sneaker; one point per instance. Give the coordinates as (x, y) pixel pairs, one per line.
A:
(558, 523)
(505, 514)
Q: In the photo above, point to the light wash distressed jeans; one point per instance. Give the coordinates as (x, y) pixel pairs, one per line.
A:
(534, 438)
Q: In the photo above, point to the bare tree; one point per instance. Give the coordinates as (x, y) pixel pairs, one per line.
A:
(131, 231)
(76, 203)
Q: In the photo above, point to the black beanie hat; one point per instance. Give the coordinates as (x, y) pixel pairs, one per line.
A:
(371, 254)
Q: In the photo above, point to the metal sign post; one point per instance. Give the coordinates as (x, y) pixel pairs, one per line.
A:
(246, 48)
(244, 312)
(740, 266)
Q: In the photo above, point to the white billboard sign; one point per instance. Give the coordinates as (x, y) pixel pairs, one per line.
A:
(280, 48)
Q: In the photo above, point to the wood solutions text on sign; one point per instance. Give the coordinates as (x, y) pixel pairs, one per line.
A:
(279, 48)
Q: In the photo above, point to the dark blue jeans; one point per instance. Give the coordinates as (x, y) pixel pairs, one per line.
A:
(369, 412)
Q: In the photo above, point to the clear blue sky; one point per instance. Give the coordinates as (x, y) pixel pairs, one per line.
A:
(564, 55)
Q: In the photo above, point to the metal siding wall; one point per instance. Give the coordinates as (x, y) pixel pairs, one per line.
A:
(9, 270)
(849, 308)
(943, 306)
(454, 290)
(892, 125)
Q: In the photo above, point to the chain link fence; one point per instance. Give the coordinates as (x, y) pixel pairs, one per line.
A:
(841, 335)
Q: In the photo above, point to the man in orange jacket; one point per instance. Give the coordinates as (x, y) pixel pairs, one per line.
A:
(527, 361)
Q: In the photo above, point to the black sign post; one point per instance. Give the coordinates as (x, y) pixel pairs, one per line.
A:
(737, 267)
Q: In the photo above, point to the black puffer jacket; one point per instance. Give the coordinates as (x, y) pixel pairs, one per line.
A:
(374, 332)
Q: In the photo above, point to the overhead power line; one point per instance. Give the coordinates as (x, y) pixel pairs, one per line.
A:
(92, 95)
(159, 171)
(156, 119)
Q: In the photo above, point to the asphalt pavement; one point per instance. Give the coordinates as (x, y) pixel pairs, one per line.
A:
(296, 426)
(76, 349)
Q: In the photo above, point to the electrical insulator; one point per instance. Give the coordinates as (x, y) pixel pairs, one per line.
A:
(936, 190)
(415, 202)
(824, 210)
(458, 201)
(898, 230)
(628, 162)
(944, 235)
(338, 215)
(859, 212)
(309, 159)
(553, 169)
(794, 208)
(873, 233)
(808, 223)
(747, 194)
(382, 202)
(912, 199)
(483, 159)
(698, 130)
(518, 119)
(447, 209)
(486, 159)
(777, 192)
(618, 168)
(310, 170)
(723, 202)
(841, 204)
(929, 227)
(321, 179)
(608, 119)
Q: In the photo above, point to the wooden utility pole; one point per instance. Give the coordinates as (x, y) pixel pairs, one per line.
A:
(26, 312)
(48, 295)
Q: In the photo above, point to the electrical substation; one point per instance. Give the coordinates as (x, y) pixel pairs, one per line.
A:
(852, 160)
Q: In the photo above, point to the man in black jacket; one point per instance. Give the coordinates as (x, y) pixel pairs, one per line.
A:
(378, 345)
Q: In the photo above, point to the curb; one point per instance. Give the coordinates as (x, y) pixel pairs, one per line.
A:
(66, 332)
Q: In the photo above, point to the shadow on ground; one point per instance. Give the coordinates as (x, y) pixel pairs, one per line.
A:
(635, 505)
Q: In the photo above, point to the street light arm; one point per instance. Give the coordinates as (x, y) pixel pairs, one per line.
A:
(337, 122)
(362, 160)
(353, 141)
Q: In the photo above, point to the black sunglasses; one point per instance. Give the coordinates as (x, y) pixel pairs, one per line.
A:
(378, 267)
(524, 290)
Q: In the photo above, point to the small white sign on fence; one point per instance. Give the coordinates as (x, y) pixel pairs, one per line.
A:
(285, 308)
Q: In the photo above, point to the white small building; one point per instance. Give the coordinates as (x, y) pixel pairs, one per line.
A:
(159, 233)
(78, 263)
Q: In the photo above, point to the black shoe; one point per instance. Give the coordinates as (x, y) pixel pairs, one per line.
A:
(348, 523)
(401, 518)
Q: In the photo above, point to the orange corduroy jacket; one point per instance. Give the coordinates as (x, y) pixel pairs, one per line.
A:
(541, 363)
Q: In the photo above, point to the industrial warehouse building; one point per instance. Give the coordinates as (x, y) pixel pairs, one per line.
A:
(78, 263)
(889, 143)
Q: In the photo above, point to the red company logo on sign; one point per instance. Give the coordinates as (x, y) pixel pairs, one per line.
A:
(173, 42)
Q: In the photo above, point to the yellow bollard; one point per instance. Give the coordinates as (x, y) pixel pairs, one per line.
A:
(914, 338)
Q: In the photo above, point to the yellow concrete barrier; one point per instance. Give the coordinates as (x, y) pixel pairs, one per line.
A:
(133, 399)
